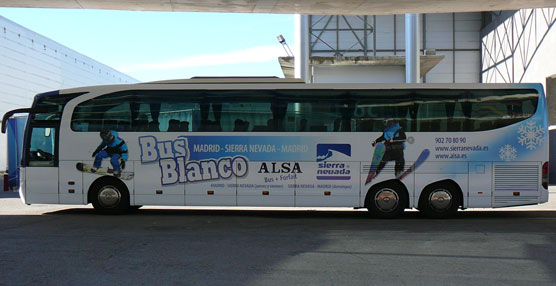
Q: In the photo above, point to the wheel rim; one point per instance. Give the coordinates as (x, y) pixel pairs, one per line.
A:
(386, 200)
(440, 199)
(109, 197)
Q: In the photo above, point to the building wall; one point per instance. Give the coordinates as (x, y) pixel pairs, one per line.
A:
(359, 74)
(31, 63)
(456, 36)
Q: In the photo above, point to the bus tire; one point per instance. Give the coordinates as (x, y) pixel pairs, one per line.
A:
(440, 200)
(109, 196)
(387, 200)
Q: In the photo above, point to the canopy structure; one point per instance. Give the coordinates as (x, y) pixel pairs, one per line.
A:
(313, 7)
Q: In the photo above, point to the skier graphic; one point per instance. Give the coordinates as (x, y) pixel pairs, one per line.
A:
(112, 147)
(394, 138)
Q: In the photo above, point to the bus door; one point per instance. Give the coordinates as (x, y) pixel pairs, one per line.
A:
(41, 163)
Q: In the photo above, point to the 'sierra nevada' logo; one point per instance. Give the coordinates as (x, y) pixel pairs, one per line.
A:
(331, 158)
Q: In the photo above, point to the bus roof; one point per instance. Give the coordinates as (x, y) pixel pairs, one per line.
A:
(228, 80)
(286, 83)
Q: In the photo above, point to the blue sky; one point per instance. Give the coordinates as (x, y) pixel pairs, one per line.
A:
(166, 45)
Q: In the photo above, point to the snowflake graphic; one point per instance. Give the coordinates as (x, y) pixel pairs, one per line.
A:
(508, 152)
(530, 135)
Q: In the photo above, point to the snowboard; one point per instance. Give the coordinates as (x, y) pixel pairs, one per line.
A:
(380, 149)
(103, 171)
(422, 157)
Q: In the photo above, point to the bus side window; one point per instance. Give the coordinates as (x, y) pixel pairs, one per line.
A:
(432, 117)
(140, 125)
(42, 147)
(318, 128)
(173, 125)
(302, 125)
(164, 112)
(184, 126)
(153, 126)
(241, 125)
(243, 116)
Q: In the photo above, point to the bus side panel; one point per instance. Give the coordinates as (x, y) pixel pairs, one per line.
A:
(261, 187)
(329, 184)
(41, 185)
(480, 185)
(149, 189)
(215, 193)
(70, 183)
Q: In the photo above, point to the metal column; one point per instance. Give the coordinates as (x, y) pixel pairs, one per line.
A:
(412, 64)
(301, 51)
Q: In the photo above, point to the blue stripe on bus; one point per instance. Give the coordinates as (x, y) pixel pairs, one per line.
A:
(344, 178)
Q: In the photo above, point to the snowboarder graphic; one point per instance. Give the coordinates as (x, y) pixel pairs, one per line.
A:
(394, 138)
(112, 147)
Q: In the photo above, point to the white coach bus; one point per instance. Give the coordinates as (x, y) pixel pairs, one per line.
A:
(275, 142)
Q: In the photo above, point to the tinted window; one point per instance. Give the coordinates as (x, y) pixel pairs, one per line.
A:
(104, 112)
(304, 110)
(42, 151)
(51, 106)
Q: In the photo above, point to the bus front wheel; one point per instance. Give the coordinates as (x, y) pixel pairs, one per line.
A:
(386, 200)
(109, 196)
(439, 201)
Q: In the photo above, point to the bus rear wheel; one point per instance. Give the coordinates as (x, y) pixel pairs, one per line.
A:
(109, 196)
(386, 200)
(439, 201)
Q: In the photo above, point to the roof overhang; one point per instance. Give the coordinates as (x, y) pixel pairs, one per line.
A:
(326, 7)
(427, 62)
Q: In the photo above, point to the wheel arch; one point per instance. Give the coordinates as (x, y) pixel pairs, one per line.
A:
(387, 183)
(105, 180)
(448, 183)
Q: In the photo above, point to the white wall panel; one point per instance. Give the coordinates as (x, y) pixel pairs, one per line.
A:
(438, 31)
(384, 30)
(467, 40)
(468, 65)
(400, 32)
(439, 18)
(360, 74)
(468, 17)
(441, 73)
